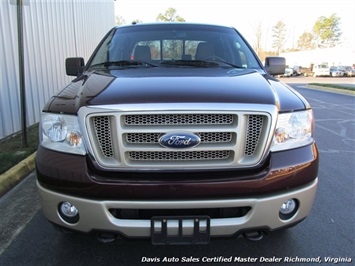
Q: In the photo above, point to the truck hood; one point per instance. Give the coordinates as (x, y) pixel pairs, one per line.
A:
(173, 85)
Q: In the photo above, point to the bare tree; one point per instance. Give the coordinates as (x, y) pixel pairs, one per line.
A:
(258, 35)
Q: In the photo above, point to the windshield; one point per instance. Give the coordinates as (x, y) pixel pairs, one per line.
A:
(174, 45)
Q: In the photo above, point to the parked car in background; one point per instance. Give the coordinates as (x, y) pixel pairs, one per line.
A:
(297, 70)
(348, 71)
(306, 71)
(321, 70)
(336, 72)
(288, 72)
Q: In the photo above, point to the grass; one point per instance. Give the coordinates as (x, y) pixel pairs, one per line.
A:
(336, 86)
(12, 151)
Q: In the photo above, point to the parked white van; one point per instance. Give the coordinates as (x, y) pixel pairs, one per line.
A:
(321, 70)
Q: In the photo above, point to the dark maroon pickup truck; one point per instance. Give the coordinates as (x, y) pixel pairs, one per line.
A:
(178, 133)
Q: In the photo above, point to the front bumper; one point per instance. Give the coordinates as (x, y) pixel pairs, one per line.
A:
(264, 212)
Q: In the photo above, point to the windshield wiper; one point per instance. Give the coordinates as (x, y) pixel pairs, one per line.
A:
(226, 63)
(196, 63)
(124, 63)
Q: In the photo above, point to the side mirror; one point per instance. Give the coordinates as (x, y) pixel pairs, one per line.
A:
(275, 65)
(74, 66)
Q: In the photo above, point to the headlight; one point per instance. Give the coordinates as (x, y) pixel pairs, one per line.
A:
(293, 130)
(61, 133)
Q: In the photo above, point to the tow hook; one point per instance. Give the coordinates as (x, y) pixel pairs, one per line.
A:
(106, 237)
(254, 235)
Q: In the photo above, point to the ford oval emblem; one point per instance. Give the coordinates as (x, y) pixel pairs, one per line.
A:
(179, 140)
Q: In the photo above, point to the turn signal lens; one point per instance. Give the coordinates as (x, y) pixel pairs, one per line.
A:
(73, 138)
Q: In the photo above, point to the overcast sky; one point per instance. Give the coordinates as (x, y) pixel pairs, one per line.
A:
(298, 15)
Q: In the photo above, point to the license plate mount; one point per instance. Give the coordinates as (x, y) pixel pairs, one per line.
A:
(180, 230)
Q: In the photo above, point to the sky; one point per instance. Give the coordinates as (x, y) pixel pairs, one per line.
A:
(299, 16)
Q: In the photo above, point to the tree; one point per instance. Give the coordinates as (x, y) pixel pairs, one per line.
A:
(136, 21)
(258, 35)
(306, 41)
(170, 16)
(327, 31)
(279, 36)
(120, 21)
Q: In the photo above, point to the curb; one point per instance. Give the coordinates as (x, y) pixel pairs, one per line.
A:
(14, 175)
(331, 89)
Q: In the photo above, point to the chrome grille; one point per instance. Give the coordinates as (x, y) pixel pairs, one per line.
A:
(102, 125)
(179, 119)
(254, 128)
(131, 140)
(179, 155)
(206, 137)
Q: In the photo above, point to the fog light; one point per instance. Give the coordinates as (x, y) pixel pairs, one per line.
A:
(68, 212)
(288, 209)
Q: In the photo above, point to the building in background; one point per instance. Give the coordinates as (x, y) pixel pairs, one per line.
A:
(337, 56)
(52, 31)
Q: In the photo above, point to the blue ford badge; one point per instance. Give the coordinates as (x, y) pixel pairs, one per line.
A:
(179, 140)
